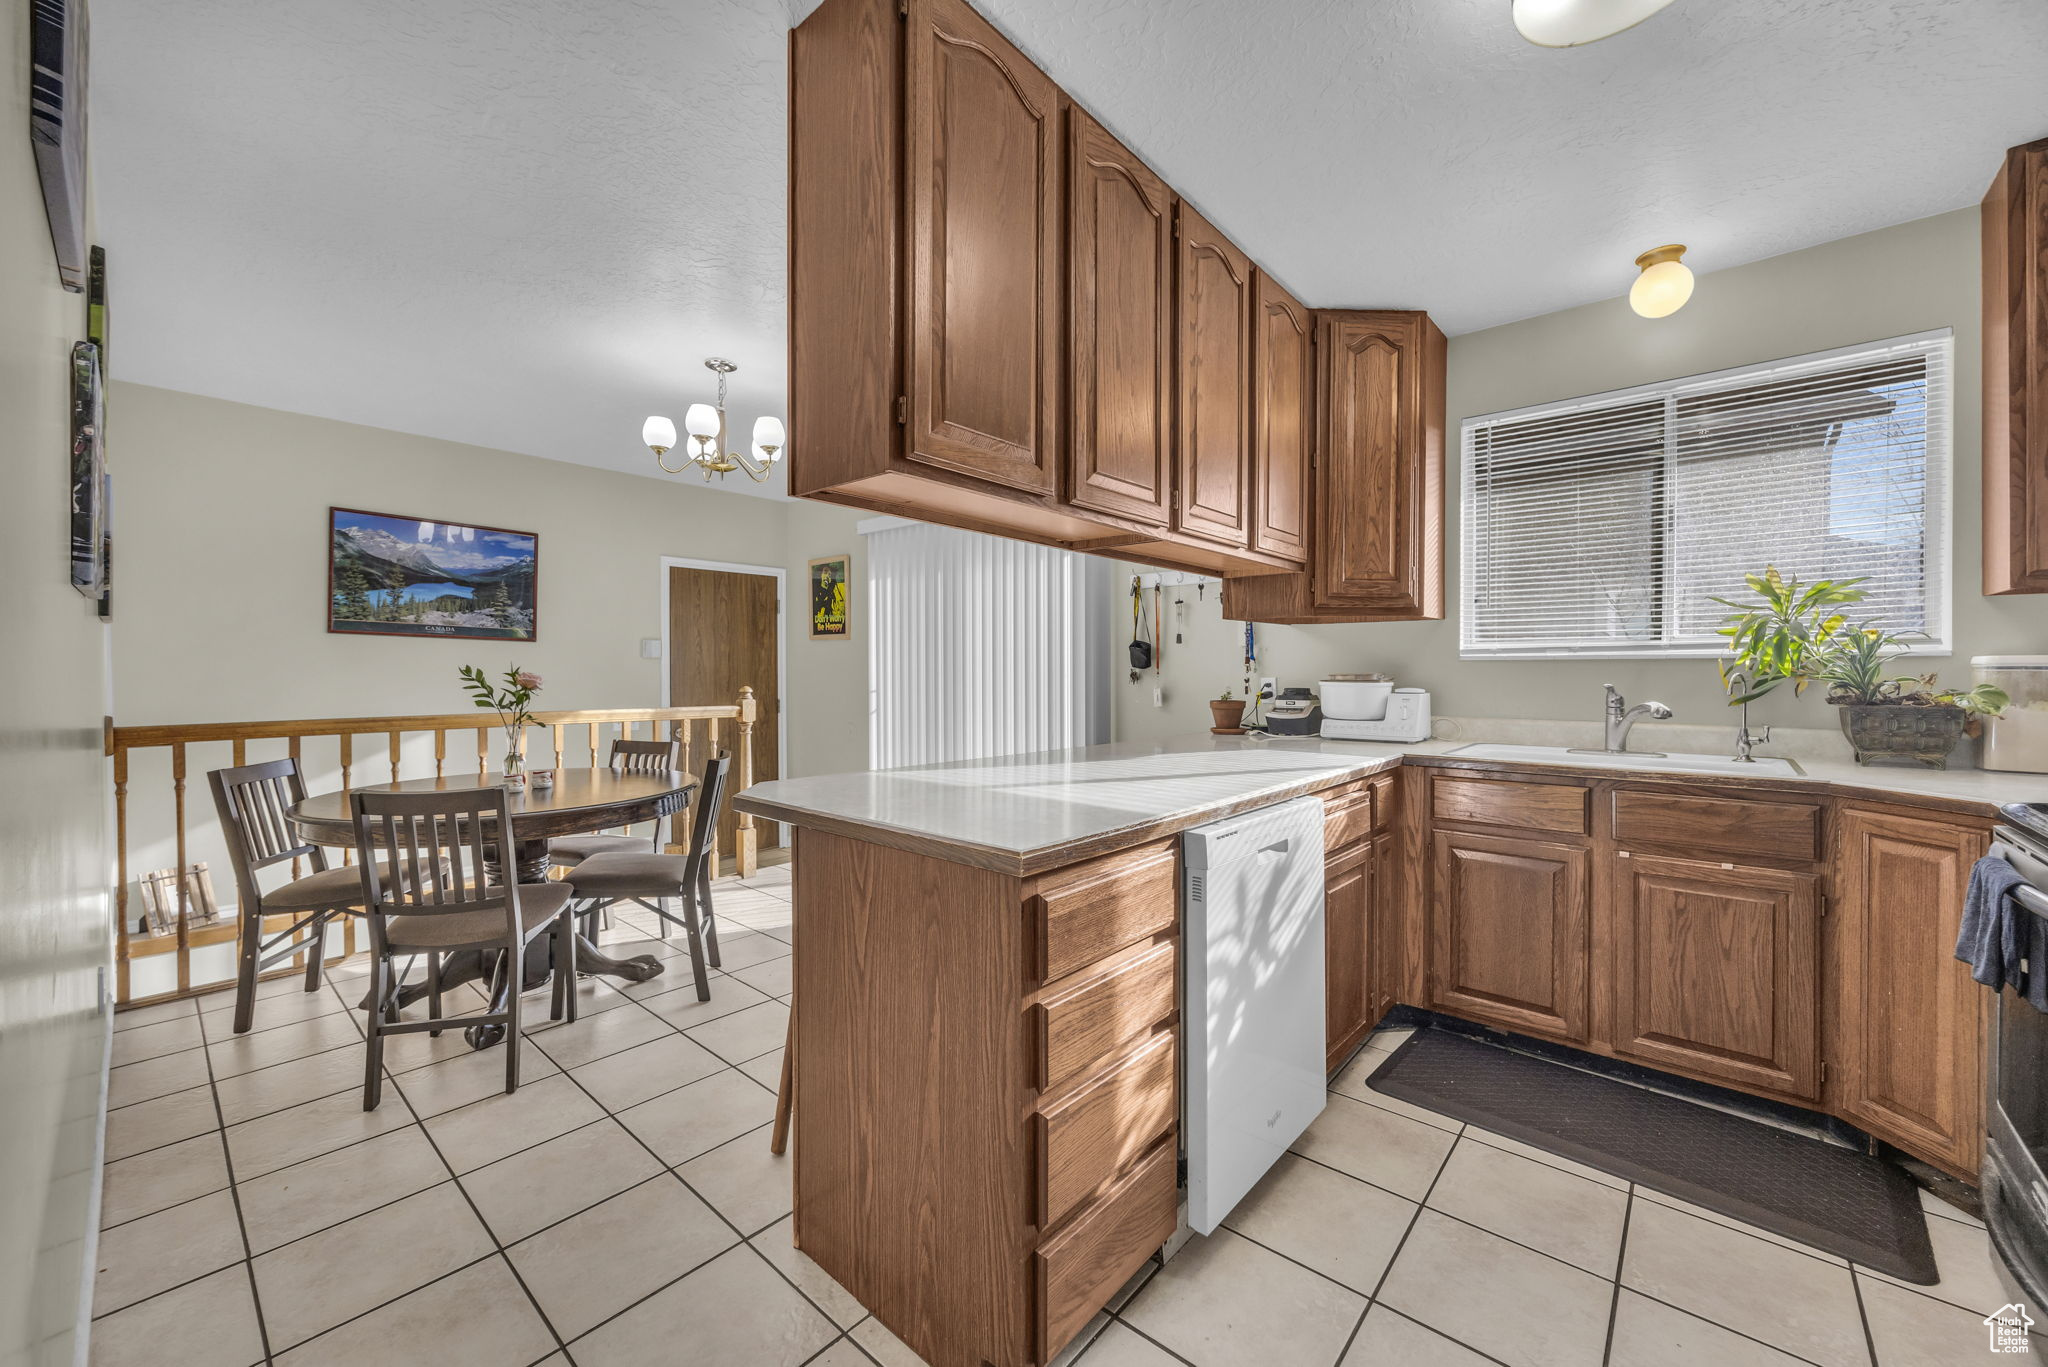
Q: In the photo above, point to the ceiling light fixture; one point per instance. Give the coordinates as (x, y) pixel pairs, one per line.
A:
(706, 427)
(1570, 23)
(1664, 285)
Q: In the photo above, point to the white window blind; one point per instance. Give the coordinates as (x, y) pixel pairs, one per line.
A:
(1606, 526)
(982, 646)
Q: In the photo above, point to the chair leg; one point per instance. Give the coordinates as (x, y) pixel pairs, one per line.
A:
(565, 967)
(696, 934)
(316, 950)
(251, 946)
(710, 915)
(373, 1029)
(785, 1094)
(434, 989)
(513, 970)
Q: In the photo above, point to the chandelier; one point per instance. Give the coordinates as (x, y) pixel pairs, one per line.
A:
(705, 425)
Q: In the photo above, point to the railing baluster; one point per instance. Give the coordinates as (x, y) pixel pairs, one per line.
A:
(483, 750)
(298, 863)
(743, 852)
(396, 737)
(241, 752)
(184, 893)
(121, 950)
(440, 752)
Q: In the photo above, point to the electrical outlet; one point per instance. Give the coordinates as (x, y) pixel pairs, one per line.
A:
(1159, 697)
(1268, 688)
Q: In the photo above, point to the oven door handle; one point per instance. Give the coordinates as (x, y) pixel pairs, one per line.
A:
(2033, 899)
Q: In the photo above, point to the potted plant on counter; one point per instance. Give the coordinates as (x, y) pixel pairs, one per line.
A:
(1227, 712)
(1796, 633)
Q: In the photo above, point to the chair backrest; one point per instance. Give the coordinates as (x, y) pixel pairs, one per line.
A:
(438, 845)
(645, 756)
(704, 821)
(253, 801)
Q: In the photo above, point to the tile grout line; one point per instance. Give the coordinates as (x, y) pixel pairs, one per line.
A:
(1400, 1247)
(241, 1223)
(1620, 1261)
(1863, 1318)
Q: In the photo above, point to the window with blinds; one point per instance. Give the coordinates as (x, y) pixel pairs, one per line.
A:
(1606, 526)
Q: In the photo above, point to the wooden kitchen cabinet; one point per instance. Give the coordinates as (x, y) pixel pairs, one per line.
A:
(1910, 1024)
(1717, 971)
(1377, 552)
(1214, 324)
(1509, 926)
(1283, 419)
(1121, 281)
(1349, 994)
(2015, 263)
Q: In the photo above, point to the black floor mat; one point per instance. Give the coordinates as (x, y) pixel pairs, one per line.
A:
(1849, 1203)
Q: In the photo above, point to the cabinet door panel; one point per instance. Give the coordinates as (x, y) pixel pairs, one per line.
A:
(1283, 371)
(983, 166)
(1380, 456)
(1347, 951)
(1911, 1021)
(1509, 933)
(1120, 255)
(1718, 971)
(1214, 495)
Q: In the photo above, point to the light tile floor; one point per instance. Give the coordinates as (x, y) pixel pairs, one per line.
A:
(622, 1208)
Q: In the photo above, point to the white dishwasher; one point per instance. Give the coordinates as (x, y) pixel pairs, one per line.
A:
(1253, 1019)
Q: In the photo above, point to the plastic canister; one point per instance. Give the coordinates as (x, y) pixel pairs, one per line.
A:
(2017, 740)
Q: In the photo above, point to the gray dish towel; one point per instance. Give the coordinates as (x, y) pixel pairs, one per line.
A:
(2003, 943)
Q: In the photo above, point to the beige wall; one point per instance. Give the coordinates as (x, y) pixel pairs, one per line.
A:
(222, 572)
(53, 920)
(1911, 278)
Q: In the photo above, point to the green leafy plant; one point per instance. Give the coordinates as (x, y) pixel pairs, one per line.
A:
(1782, 634)
(510, 698)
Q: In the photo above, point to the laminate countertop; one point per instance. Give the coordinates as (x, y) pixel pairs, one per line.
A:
(1023, 814)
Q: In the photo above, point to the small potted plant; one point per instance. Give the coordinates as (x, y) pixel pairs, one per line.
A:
(1227, 712)
(1795, 633)
(509, 698)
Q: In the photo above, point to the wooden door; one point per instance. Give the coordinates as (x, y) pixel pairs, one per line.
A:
(1717, 971)
(1380, 464)
(984, 251)
(1120, 342)
(721, 638)
(1347, 949)
(2015, 264)
(1910, 1023)
(1283, 389)
(1509, 933)
(1213, 500)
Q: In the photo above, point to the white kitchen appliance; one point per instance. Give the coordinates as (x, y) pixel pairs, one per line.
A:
(1374, 711)
(1253, 1004)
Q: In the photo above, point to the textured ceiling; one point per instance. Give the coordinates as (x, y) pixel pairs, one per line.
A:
(523, 223)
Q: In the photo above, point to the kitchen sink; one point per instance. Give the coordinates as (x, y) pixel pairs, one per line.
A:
(1661, 764)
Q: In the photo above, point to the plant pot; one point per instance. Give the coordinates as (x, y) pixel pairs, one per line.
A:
(1901, 733)
(1227, 713)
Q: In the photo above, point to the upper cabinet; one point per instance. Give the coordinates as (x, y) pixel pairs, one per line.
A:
(2015, 226)
(1377, 552)
(1120, 281)
(1001, 319)
(1215, 307)
(1283, 419)
(984, 251)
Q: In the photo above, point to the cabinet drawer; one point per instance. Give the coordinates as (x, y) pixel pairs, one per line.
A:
(1718, 825)
(1091, 1020)
(1349, 814)
(1555, 807)
(1081, 1267)
(1086, 1139)
(1092, 910)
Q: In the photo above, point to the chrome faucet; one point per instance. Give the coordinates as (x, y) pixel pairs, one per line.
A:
(1621, 719)
(1746, 739)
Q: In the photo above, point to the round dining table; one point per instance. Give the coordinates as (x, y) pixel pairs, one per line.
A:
(580, 801)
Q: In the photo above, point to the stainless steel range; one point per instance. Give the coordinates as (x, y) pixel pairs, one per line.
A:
(2015, 1177)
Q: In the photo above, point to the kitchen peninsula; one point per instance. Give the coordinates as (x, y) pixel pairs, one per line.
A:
(987, 1094)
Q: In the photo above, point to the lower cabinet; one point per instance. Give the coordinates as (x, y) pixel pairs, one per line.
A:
(1509, 929)
(1348, 997)
(1910, 1023)
(1717, 971)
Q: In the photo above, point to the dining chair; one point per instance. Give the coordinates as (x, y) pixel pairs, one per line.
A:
(650, 879)
(254, 803)
(628, 757)
(437, 907)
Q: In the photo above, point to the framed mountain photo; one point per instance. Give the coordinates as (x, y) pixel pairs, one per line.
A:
(409, 576)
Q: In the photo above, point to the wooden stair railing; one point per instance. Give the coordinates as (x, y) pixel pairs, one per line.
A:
(194, 748)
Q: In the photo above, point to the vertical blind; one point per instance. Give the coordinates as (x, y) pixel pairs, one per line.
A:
(1607, 525)
(982, 646)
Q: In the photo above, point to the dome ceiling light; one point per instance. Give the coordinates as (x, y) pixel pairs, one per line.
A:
(1570, 23)
(1664, 285)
